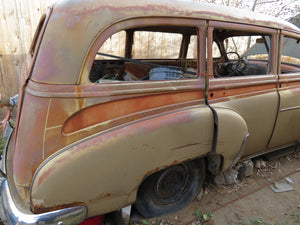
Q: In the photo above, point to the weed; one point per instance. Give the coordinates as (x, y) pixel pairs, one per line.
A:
(145, 222)
(257, 221)
(203, 217)
(295, 218)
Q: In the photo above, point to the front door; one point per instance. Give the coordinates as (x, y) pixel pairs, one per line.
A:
(287, 126)
(243, 83)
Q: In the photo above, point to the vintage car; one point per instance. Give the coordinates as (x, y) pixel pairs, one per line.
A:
(134, 102)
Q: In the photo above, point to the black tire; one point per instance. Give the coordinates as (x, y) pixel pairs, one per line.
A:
(171, 189)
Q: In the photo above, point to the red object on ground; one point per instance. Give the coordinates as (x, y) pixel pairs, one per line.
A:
(97, 220)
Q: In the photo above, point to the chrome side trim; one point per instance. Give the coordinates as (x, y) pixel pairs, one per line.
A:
(239, 155)
(290, 108)
(10, 214)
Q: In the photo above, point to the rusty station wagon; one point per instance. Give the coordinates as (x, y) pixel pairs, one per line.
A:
(134, 102)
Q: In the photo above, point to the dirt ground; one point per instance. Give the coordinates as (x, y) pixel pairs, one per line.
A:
(250, 201)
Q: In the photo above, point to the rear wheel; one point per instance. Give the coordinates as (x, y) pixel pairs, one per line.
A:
(171, 189)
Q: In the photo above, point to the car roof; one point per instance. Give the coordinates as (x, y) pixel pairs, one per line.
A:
(74, 24)
(180, 8)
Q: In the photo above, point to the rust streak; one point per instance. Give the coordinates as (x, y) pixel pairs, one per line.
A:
(43, 209)
(106, 112)
(250, 91)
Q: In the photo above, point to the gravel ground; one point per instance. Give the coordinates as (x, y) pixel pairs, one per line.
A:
(249, 201)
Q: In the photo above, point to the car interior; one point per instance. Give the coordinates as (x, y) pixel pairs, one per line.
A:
(170, 53)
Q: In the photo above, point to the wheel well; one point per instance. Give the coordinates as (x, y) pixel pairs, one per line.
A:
(170, 189)
(214, 163)
(204, 160)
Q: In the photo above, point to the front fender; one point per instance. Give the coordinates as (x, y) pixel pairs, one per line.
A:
(103, 172)
(232, 136)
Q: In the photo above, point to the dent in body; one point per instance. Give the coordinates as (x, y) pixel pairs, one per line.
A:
(105, 170)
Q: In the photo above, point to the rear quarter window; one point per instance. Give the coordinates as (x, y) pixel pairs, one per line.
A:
(147, 53)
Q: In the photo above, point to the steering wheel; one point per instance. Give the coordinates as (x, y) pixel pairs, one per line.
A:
(230, 67)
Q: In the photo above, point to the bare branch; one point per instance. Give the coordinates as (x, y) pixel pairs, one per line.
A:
(254, 5)
(260, 3)
(286, 5)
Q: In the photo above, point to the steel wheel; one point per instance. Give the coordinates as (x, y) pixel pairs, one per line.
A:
(170, 189)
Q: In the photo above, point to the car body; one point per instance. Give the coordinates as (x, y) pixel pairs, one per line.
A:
(133, 101)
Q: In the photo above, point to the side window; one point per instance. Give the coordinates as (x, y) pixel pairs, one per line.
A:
(240, 53)
(107, 66)
(115, 45)
(156, 45)
(150, 53)
(290, 56)
(192, 48)
(216, 51)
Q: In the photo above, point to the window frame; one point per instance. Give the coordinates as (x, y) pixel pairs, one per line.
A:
(242, 27)
(280, 43)
(131, 24)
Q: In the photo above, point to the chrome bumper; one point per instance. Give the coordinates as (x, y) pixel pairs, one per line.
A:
(11, 214)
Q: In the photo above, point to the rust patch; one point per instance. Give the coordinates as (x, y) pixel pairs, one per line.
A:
(151, 172)
(104, 195)
(241, 91)
(100, 196)
(106, 112)
(42, 209)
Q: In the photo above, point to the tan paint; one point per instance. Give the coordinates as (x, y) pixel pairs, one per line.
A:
(259, 112)
(288, 122)
(91, 167)
(75, 158)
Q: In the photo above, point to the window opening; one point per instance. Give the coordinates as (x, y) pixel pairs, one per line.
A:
(240, 53)
(150, 53)
(192, 48)
(290, 57)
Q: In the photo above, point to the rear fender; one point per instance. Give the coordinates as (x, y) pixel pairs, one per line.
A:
(104, 171)
(232, 136)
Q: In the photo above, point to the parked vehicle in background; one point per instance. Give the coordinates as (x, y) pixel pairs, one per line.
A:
(133, 102)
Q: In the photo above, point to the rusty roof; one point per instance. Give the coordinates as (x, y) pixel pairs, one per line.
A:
(180, 8)
(75, 24)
